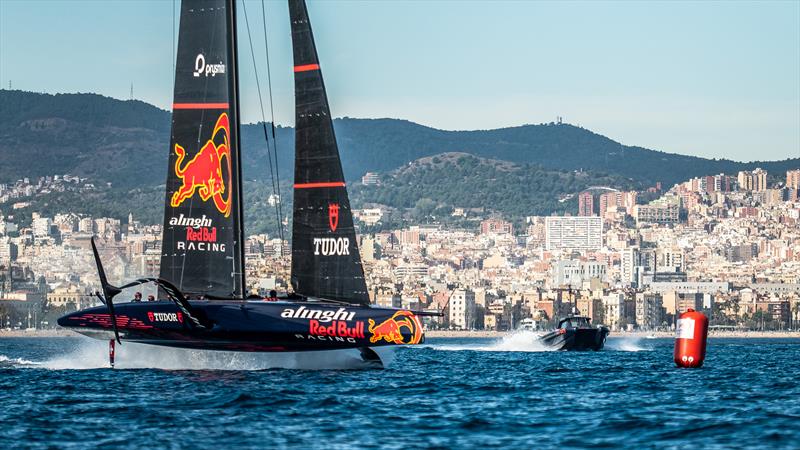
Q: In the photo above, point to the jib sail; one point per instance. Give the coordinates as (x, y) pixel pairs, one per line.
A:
(325, 258)
(202, 245)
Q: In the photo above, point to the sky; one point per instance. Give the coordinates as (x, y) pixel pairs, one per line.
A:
(711, 79)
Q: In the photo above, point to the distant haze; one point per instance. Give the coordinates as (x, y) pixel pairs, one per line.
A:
(711, 79)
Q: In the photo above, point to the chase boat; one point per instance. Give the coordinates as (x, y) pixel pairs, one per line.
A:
(575, 333)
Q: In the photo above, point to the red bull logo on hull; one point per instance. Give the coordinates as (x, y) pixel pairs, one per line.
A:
(203, 174)
(390, 330)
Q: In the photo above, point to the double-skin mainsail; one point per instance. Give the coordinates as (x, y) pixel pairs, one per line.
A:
(202, 251)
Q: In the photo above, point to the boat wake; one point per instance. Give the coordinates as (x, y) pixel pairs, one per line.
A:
(516, 341)
(528, 341)
(626, 344)
(5, 361)
(93, 354)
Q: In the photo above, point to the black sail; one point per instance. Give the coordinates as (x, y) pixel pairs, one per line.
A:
(202, 251)
(325, 259)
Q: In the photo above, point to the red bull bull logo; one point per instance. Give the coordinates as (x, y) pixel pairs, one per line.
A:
(390, 330)
(203, 174)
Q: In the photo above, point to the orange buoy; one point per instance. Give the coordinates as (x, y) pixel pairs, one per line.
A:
(690, 339)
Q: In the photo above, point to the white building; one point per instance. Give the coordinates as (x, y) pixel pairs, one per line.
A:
(575, 273)
(462, 309)
(41, 226)
(7, 250)
(86, 225)
(581, 233)
(368, 216)
(614, 308)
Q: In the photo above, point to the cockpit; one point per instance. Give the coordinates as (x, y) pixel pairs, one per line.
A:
(575, 322)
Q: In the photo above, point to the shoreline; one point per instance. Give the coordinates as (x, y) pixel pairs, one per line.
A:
(451, 334)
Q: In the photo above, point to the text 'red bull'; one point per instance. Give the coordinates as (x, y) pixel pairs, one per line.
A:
(390, 329)
(203, 174)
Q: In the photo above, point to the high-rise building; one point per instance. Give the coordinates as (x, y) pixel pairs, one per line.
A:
(649, 310)
(585, 204)
(793, 179)
(462, 309)
(755, 180)
(8, 251)
(566, 232)
(722, 183)
(86, 225)
(614, 309)
(41, 226)
(617, 199)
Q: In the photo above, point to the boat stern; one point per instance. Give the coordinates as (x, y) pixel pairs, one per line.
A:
(403, 327)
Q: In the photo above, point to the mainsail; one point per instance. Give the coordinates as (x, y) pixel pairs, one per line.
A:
(202, 251)
(325, 259)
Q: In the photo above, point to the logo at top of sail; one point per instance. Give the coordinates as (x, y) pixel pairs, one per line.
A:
(204, 174)
(201, 68)
(333, 216)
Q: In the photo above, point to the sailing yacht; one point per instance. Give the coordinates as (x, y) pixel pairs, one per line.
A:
(203, 303)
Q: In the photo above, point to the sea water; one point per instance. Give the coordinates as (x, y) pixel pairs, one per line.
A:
(447, 393)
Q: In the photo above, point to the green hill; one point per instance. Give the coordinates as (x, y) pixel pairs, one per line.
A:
(125, 143)
(434, 186)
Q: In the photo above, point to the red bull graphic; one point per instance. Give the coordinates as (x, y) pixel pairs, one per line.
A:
(333, 216)
(390, 329)
(203, 174)
(337, 328)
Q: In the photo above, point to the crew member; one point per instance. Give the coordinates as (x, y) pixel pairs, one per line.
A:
(273, 296)
(151, 298)
(137, 297)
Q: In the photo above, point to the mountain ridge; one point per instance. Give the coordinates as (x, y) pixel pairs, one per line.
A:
(107, 139)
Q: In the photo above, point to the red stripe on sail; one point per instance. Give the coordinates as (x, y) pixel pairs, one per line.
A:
(319, 185)
(200, 106)
(306, 67)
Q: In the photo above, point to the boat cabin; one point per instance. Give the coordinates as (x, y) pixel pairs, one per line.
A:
(575, 322)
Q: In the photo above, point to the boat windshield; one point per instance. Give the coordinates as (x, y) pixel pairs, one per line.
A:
(574, 322)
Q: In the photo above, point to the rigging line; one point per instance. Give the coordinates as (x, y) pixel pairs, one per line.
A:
(272, 120)
(273, 177)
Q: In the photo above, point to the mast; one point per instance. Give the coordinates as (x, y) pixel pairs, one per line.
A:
(202, 251)
(326, 262)
(239, 198)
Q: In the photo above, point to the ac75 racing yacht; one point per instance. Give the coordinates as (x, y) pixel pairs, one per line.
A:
(203, 303)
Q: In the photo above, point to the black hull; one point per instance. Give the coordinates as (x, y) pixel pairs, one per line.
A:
(576, 339)
(251, 326)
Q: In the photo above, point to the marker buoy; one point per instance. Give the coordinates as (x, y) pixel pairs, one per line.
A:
(690, 339)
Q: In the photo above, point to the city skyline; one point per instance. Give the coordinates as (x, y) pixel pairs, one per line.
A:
(712, 80)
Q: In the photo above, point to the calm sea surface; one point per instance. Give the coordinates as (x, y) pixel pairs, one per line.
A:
(470, 393)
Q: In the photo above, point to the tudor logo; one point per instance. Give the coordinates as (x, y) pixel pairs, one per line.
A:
(165, 317)
(201, 68)
(331, 246)
(333, 216)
